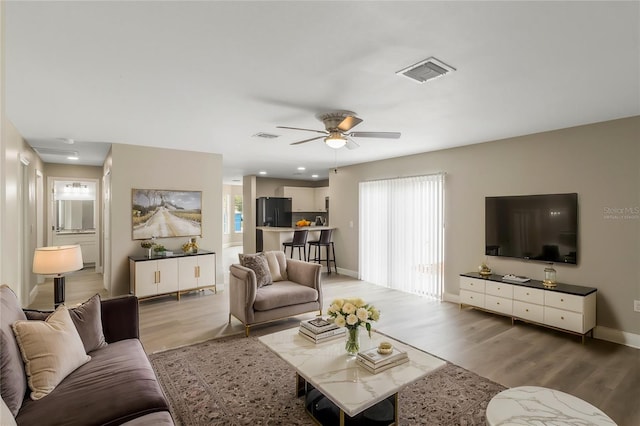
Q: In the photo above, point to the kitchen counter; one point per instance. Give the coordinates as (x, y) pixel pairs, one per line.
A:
(273, 237)
(294, 228)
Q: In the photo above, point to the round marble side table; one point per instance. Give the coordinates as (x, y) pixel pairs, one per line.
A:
(533, 405)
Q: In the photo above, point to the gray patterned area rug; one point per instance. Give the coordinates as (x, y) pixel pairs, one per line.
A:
(238, 381)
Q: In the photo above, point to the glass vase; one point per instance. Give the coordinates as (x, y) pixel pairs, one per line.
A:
(353, 341)
(149, 253)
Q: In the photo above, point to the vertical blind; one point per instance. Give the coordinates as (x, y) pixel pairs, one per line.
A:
(402, 234)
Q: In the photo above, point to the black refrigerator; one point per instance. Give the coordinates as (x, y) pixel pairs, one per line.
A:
(272, 211)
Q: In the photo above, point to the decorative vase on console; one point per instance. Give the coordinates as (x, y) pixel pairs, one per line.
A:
(353, 314)
(484, 270)
(149, 245)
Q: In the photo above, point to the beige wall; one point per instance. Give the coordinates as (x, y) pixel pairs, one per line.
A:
(601, 162)
(155, 168)
(19, 186)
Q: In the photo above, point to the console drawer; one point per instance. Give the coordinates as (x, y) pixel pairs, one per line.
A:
(530, 295)
(564, 301)
(498, 304)
(472, 284)
(472, 298)
(528, 311)
(499, 289)
(563, 319)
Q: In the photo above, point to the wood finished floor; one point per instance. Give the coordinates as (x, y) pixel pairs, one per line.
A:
(605, 374)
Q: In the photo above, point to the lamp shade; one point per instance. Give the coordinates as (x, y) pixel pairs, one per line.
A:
(57, 259)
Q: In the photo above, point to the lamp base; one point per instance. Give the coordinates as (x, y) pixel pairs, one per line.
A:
(58, 291)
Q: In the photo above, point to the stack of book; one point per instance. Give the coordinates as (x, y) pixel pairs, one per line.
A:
(375, 362)
(320, 330)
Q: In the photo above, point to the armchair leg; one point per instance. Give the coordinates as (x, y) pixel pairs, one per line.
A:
(246, 331)
(229, 317)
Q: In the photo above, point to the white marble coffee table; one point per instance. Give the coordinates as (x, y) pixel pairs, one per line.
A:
(333, 375)
(533, 405)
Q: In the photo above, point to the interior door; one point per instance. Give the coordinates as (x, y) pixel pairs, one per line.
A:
(106, 231)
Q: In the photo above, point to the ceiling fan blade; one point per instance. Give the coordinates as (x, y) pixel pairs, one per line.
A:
(349, 123)
(380, 135)
(306, 140)
(306, 130)
(351, 144)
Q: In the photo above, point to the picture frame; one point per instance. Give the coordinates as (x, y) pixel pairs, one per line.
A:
(164, 213)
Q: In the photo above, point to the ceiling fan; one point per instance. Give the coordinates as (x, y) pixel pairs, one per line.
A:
(337, 125)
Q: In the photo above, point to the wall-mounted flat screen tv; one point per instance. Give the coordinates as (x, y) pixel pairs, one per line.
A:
(533, 227)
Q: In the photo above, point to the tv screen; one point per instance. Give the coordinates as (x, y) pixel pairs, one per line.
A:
(533, 227)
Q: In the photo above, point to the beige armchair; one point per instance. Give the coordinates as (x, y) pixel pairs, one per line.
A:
(296, 289)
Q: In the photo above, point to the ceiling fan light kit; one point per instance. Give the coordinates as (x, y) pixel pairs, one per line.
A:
(337, 124)
(335, 140)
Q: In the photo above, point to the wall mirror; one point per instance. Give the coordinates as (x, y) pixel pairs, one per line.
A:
(74, 206)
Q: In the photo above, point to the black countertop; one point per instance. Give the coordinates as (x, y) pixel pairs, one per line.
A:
(560, 288)
(142, 258)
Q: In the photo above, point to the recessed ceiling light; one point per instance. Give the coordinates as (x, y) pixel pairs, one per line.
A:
(314, 176)
(302, 168)
(72, 158)
(262, 173)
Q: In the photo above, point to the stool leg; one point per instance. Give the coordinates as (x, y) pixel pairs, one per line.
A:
(333, 249)
(328, 264)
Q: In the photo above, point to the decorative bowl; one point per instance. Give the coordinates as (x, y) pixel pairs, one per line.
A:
(385, 348)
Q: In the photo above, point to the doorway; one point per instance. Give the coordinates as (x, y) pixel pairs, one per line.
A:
(74, 215)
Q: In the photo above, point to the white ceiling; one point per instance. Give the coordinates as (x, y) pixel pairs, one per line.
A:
(207, 76)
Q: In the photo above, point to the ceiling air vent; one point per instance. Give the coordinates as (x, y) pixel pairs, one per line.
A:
(426, 70)
(265, 135)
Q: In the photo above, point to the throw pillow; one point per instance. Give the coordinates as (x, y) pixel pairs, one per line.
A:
(51, 350)
(87, 318)
(258, 263)
(277, 265)
(13, 381)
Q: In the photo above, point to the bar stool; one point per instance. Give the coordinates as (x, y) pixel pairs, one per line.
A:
(299, 241)
(323, 241)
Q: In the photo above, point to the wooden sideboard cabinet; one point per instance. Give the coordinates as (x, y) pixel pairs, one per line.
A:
(180, 273)
(566, 307)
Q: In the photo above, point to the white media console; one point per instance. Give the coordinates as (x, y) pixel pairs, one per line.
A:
(566, 307)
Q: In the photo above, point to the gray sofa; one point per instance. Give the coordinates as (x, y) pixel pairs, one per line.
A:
(117, 386)
(298, 291)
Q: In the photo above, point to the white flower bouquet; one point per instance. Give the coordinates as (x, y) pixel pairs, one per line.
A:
(353, 313)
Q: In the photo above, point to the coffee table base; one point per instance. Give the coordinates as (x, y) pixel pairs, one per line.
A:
(324, 412)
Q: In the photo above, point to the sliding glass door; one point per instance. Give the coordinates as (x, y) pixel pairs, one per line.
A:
(402, 234)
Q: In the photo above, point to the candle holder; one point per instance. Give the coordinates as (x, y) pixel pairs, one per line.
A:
(549, 277)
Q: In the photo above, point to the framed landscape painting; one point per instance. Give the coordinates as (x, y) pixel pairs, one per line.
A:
(163, 214)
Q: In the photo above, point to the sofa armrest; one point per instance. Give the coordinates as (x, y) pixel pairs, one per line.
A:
(304, 273)
(120, 319)
(242, 292)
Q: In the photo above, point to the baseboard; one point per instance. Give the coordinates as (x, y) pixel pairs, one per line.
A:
(450, 297)
(617, 336)
(348, 272)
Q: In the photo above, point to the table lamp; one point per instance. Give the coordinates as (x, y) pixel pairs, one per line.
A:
(57, 261)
